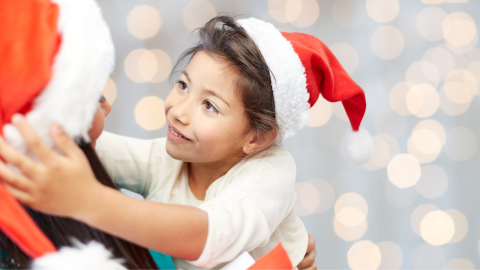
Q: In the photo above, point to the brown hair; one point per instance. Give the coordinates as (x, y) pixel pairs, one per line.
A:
(226, 40)
(61, 230)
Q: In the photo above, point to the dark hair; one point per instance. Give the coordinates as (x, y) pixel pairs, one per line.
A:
(227, 41)
(61, 230)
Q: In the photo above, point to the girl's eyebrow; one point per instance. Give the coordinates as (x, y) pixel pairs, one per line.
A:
(186, 75)
(210, 92)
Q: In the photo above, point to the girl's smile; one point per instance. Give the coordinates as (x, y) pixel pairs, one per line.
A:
(175, 135)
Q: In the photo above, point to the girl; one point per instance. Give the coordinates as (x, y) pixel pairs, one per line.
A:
(61, 230)
(246, 87)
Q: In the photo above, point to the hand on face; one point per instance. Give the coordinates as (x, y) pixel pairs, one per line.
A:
(58, 184)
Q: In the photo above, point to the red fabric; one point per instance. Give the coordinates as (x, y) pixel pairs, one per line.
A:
(20, 228)
(277, 258)
(326, 76)
(28, 44)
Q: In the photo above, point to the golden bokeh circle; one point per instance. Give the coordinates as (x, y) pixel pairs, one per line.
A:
(387, 42)
(404, 170)
(437, 228)
(149, 113)
(364, 255)
(144, 21)
(110, 91)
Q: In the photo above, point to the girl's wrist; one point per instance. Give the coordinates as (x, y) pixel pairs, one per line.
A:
(91, 203)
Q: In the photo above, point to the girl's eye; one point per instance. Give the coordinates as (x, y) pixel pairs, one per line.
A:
(183, 86)
(209, 106)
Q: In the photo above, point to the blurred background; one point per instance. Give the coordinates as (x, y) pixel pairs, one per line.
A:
(415, 204)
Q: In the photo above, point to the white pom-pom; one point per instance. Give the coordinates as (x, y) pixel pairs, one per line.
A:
(359, 146)
(91, 256)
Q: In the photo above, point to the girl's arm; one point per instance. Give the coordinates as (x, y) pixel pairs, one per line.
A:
(65, 186)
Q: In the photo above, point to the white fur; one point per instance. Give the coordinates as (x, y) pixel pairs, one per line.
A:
(80, 70)
(91, 256)
(289, 81)
(359, 146)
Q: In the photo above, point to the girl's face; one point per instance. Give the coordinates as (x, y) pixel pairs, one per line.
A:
(206, 121)
(99, 120)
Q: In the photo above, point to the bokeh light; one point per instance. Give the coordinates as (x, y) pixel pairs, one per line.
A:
(459, 29)
(433, 183)
(387, 42)
(350, 233)
(429, 257)
(386, 146)
(461, 143)
(164, 66)
(455, 264)
(198, 12)
(110, 91)
(310, 11)
(339, 111)
(398, 98)
(437, 228)
(364, 255)
(149, 113)
(326, 193)
(380, 156)
(276, 9)
(382, 11)
(418, 214)
(300, 13)
(404, 170)
(461, 225)
(308, 198)
(441, 58)
(429, 23)
(422, 100)
(320, 113)
(350, 221)
(400, 197)
(391, 254)
(427, 140)
(144, 21)
(349, 14)
(460, 86)
(450, 107)
(141, 65)
(347, 55)
(474, 68)
(422, 72)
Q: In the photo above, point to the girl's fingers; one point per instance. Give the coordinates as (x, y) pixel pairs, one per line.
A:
(63, 142)
(311, 243)
(20, 195)
(14, 179)
(308, 261)
(12, 156)
(34, 142)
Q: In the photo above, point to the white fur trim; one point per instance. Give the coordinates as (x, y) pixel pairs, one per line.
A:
(81, 257)
(80, 71)
(289, 81)
(359, 146)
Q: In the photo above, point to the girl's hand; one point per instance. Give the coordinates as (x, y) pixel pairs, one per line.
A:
(57, 184)
(309, 261)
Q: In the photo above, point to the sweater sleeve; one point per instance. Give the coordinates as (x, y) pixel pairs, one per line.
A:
(250, 209)
(128, 161)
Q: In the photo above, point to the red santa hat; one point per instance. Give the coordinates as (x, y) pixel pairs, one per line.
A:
(304, 68)
(55, 59)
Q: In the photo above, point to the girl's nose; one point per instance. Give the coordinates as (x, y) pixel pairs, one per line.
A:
(181, 111)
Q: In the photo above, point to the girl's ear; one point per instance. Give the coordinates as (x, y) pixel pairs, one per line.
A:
(257, 142)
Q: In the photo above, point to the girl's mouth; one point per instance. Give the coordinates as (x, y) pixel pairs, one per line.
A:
(175, 135)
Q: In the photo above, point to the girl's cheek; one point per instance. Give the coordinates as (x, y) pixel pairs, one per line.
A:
(97, 126)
